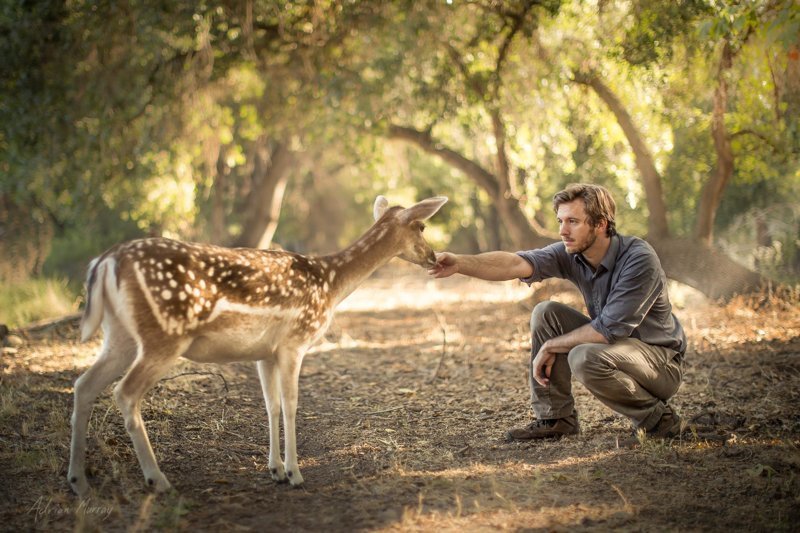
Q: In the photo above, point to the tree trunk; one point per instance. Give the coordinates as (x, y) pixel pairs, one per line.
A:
(26, 235)
(657, 226)
(263, 207)
(790, 85)
(693, 262)
(723, 170)
(522, 232)
(705, 268)
(217, 232)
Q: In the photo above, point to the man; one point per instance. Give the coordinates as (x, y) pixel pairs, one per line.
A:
(628, 352)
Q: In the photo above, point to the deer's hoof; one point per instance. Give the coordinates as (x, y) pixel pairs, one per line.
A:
(79, 484)
(278, 473)
(158, 482)
(295, 478)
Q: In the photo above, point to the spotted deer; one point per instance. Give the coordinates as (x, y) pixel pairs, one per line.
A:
(160, 299)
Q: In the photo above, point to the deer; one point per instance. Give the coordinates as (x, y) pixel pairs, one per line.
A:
(159, 300)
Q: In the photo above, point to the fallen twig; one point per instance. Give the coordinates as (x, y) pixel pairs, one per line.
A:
(220, 376)
(443, 327)
(385, 410)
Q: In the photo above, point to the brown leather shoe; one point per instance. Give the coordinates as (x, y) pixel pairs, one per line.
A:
(669, 427)
(546, 429)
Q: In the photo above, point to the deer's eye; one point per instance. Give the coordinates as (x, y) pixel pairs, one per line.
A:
(421, 227)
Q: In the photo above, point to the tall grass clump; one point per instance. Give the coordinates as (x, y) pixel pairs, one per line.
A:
(35, 299)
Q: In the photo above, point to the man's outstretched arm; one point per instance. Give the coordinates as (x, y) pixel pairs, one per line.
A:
(491, 266)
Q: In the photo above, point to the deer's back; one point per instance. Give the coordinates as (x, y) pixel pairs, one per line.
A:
(196, 289)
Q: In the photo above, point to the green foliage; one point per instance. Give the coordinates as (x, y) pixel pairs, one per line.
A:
(153, 118)
(36, 299)
(73, 246)
(654, 26)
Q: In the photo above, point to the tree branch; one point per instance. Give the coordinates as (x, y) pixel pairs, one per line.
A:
(425, 141)
(770, 142)
(651, 179)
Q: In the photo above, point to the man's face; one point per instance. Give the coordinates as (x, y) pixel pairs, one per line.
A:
(575, 230)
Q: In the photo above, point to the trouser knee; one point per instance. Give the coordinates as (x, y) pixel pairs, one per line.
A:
(544, 312)
(584, 362)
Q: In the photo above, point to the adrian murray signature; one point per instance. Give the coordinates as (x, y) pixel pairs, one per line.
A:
(45, 506)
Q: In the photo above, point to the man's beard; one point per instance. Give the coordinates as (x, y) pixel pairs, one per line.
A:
(589, 242)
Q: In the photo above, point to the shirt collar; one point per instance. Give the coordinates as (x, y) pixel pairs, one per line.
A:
(609, 260)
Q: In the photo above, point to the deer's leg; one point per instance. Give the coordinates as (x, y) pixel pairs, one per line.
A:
(271, 387)
(289, 362)
(151, 364)
(117, 353)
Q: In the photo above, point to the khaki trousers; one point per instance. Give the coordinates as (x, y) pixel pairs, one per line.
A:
(631, 377)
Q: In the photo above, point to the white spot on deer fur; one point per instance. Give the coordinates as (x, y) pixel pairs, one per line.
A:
(181, 269)
(211, 271)
(188, 288)
(191, 275)
(203, 284)
(197, 308)
(181, 296)
(160, 276)
(166, 294)
(168, 261)
(331, 276)
(173, 283)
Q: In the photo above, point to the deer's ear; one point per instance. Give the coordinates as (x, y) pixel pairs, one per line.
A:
(423, 210)
(380, 207)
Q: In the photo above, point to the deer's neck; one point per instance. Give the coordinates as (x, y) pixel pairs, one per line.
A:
(350, 267)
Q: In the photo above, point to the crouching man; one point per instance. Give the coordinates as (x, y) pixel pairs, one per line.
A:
(628, 352)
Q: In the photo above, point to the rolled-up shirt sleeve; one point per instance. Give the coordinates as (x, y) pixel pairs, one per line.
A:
(630, 299)
(551, 261)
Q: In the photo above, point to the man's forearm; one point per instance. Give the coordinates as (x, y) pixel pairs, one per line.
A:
(585, 334)
(494, 266)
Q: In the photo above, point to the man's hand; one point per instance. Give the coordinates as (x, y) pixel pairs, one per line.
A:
(543, 364)
(446, 265)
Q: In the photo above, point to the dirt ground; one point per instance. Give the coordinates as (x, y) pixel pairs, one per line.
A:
(400, 428)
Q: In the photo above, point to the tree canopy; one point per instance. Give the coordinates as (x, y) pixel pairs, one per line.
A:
(250, 122)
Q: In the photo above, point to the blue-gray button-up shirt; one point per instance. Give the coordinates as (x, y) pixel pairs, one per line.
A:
(626, 296)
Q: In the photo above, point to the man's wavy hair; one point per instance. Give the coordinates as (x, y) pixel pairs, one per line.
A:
(597, 200)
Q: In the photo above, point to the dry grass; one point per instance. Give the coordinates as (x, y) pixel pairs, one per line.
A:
(400, 428)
